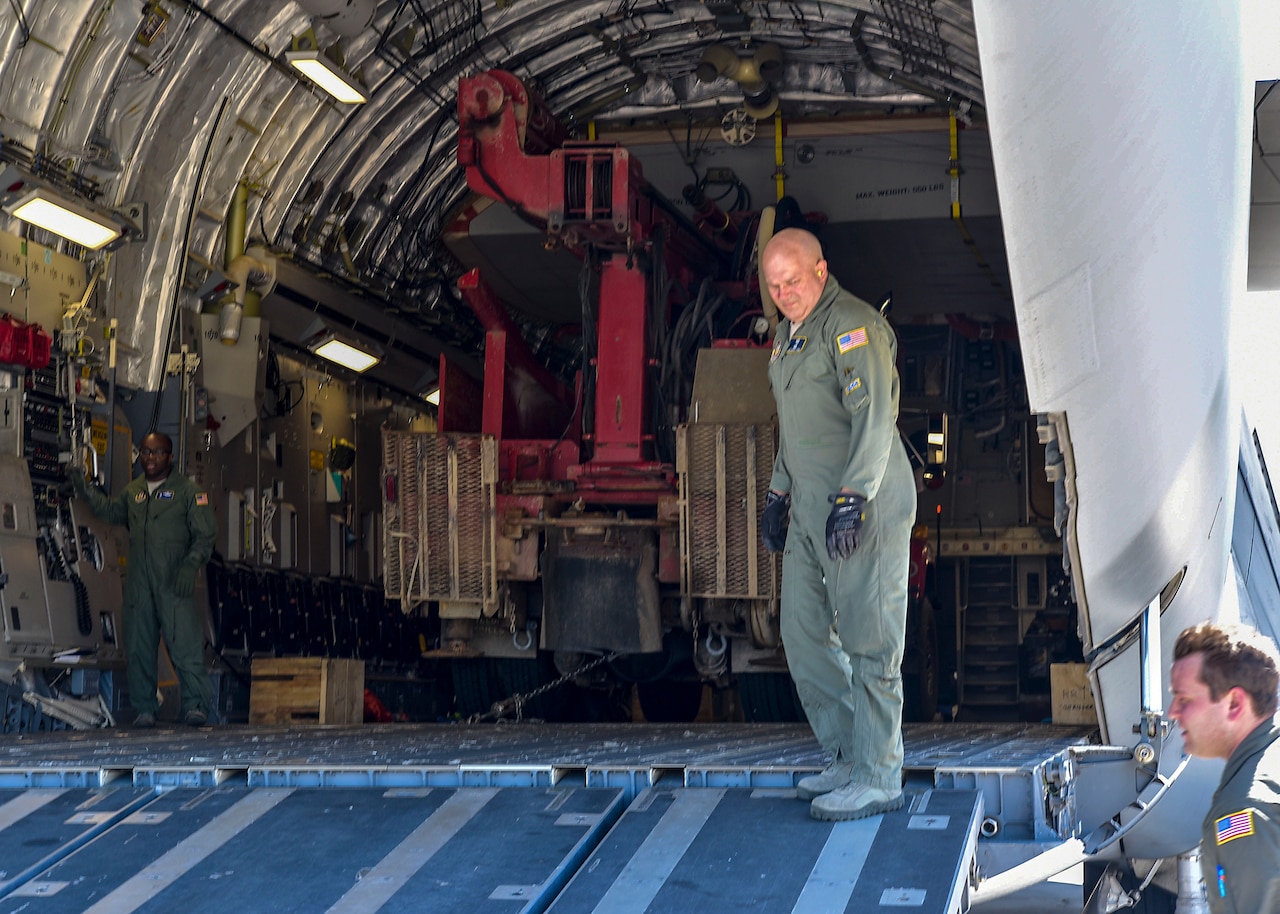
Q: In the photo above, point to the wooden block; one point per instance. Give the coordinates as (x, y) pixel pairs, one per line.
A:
(1072, 694)
(306, 690)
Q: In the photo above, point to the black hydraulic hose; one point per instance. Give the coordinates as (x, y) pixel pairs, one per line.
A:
(686, 224)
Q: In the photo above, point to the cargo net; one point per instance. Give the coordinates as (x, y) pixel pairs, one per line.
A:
(438, 507)
(724, 475)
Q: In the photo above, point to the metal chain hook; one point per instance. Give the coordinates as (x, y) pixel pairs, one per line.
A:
(517, 700)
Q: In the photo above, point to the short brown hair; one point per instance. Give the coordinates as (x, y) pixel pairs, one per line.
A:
(1234, 655)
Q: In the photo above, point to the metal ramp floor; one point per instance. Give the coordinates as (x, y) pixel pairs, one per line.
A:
(566, 818)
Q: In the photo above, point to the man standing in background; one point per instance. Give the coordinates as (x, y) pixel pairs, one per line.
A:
(172, 530)
(841, 506)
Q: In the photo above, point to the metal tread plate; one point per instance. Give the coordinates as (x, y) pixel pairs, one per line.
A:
(503, 849)
(718, 850)
(336, 849)
(36, 826)
(307, 815)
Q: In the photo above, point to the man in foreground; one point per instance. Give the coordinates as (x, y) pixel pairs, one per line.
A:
(841, 505)
(1224, 681)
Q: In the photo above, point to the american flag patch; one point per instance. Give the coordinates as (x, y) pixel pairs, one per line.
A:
(852, 340)
(1237, 825)
(202, 498)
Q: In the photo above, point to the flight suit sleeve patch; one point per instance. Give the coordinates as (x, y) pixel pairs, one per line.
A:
(851, 340)
(1236, 825)
(202, 498)
(852, 386)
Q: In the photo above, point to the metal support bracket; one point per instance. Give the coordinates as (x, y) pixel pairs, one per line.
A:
(182, 363)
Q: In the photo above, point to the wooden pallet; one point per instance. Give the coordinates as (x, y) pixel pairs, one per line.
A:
(302, 690)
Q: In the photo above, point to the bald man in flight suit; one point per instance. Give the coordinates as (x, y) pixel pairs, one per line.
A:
(841, 506)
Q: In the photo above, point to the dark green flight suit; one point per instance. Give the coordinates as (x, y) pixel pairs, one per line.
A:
(836, 386)
(1240, 838)
(168, 528)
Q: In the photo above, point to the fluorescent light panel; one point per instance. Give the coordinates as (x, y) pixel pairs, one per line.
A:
(75, 223)
(327, 75)
(346, 355)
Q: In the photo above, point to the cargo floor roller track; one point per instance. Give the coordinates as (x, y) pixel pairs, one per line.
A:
(522, 817)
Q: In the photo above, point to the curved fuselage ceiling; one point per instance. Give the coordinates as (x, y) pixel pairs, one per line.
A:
(174, 104)
(179, 104)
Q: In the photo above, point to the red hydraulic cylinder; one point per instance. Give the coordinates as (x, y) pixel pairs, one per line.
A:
(620, 364)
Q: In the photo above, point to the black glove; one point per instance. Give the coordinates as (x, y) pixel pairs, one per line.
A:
(844, 524)
(775, 520)
(184, 582)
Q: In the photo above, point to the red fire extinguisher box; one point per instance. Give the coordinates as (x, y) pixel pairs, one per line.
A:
(24, 344)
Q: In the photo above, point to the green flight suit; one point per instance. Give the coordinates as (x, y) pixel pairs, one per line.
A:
(1240, 838)
(836, 385)
(168, 528)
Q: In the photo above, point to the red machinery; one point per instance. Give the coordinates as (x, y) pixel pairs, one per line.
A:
(621, 525)
(589, 508)
(606, 504)
(584, 195)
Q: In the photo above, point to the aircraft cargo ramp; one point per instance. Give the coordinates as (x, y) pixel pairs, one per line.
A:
(520, 817)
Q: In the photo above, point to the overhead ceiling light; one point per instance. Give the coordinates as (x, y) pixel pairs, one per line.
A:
(47, 210)
(345, 352)
(88, 225)
(328, 75)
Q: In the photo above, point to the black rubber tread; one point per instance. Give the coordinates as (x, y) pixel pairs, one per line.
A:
(769, 698)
